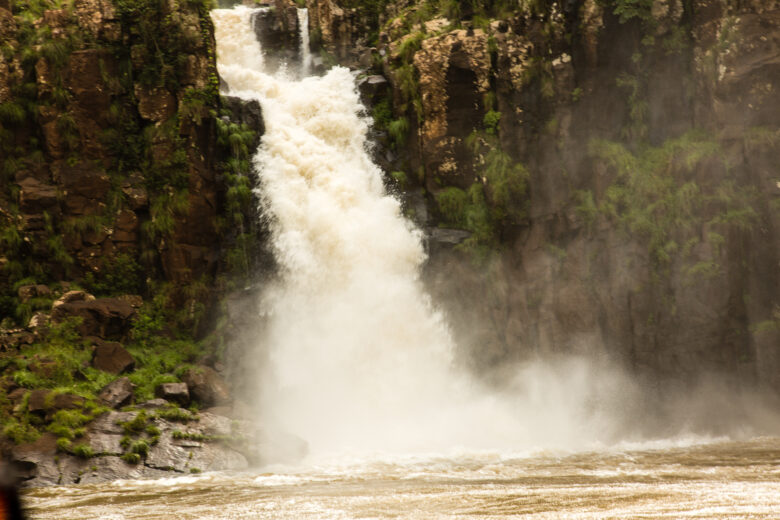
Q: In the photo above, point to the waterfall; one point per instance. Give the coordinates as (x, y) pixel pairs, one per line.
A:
(357, 357)
(303, 31)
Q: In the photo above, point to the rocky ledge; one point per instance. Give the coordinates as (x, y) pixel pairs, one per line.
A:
(155, 439)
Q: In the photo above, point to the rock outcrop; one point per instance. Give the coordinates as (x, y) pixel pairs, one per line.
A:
(188, 444)
(611, 173)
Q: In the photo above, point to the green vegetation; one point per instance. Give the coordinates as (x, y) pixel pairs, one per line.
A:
(153, 157)
(176, 414)
(629, 9)
(655, 196)
(496, 201)
(238, 222)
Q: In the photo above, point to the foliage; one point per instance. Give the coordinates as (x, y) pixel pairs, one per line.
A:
(122, 275)
(655, 194)
(490, 122)
(507, 183)
(629, 9)
(176, 414)
(398, 130)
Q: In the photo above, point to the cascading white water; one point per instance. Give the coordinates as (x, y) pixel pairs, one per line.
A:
(303, 29)
(358, 357)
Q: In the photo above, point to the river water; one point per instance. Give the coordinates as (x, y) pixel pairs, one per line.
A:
(356, 360)
(680, 479)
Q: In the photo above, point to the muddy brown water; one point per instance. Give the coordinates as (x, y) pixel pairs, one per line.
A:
(721, 479)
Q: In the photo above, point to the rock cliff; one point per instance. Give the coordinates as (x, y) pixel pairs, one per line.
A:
(612, 163)
(126, 214)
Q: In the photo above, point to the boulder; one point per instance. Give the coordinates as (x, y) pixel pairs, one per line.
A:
(28, 292)
(110, 356)
(106, 318)
(37, 401)
(175, 392)
(37, 460)
(118, 393)
(72, 296)
(206, 386)
(67, 402)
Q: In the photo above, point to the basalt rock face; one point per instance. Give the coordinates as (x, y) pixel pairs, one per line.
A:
(107, 148)
(121, 221)
(613, 164)
(203, 442)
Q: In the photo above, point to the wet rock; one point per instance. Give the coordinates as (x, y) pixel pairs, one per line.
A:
(372, 89)
(15, 338)
(110, 356)
(248, 112)
(110, 422)
(175, 392)
(277, 32)
(184, 455)
(36, 460)
(105, 443)
(153, 404)
(117, 393)
(446, 238)
(107, 318)
(206, 386)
